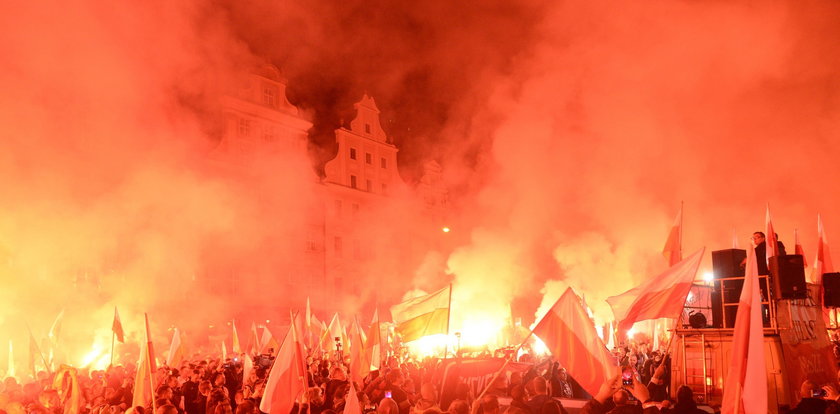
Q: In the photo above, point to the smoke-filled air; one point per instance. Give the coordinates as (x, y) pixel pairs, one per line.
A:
(562, 136)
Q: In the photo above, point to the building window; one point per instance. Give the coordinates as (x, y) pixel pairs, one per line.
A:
(311, 245)
(268, 133)
(338, 208)
(367, 128)
(270, 96)
(384, 188)
(383, 163)
(337, 245)
(353, 181)
(368, 158)
(244, 126)
(355, 209)
(368, 185)
(352, 153)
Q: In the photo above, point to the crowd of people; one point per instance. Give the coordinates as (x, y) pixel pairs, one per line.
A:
(402, 386)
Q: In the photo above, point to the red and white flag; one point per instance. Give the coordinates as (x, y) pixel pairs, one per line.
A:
(144, 379)
(745, 389)
(797, 247)
(673, 246)
(287, 380)
(772, 249)
(176, 350)
(235, 346)
(373, 345)
(352, 404)
(359, 364)
(117, 327)
(570, 335)
(660, 297)
(822, 264)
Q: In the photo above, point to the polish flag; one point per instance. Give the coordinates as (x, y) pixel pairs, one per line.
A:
(660, 297)
(745, 389)
(287, 380)
(352, 404)
(235, 346)
(373, 345)
(822, 264)
(144, 379)
(772, 249)
(797, 249)
(673, 246)
(176, 350)
(359, 364)
(570, 335)
(117, 327)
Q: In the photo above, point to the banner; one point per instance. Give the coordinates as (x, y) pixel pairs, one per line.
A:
(807, 349)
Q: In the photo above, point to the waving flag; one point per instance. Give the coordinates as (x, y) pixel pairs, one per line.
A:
(373, 345)
(117, 327)
(660, 297)
(771, 241)
(235, 347)
(287, 380)
(176, 350)
(570, 335)
(745, 389)
(673, 246)
(424, 315)
(822, 264)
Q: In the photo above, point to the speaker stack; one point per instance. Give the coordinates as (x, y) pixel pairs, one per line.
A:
(788, 274)
(727, 264)
(831, 290)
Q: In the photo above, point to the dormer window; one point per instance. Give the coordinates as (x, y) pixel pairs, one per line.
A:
(270, 96)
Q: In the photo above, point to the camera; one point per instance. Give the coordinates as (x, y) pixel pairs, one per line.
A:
(263, 361)
(627, 376)
(818, 393)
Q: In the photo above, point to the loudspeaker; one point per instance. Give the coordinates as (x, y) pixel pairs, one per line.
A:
(727, 263)
(732, 291)
(788, 273)
(717, 307)
(831, 289)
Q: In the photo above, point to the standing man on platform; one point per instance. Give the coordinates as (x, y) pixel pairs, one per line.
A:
(761, 252)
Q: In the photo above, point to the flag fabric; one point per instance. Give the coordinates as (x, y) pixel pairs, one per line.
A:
(359, 364)
(247, 367)
(224, 351)
(117, 327)
(66, 383)
(735, 239)
(287, 380)
(660, 297)
(373, 345)
(150, 344)
(352, 404)
(772, 248)
(328, 339)
(797, 248)
(55, 329)
(822, 263)
(235, 347)
(267, 343)
(571, 338)
(143, 379)
(422, 316)
(255, 339)
(673, 248)
(10, 369)
(176, 350)
(745, 389)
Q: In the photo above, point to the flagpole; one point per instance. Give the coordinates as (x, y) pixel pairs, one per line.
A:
(507, 361)
(43, 359)
(113, 335)
(681, 228)
(448, 319)
(149, 365)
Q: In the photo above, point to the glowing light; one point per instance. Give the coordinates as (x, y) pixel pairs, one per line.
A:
(97, 358)
(631, 332)
(690, 297)
(539, 347)
(708, 276)
(446, 229)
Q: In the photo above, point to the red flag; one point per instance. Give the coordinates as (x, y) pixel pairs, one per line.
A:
(745, 389)
(149, 343)
(570, 335)
(235, 346)
(822, 264)
(673, 246)
(287, 380)
(373, 346)
(352, 404)
(797, 249)
(772, 249)
(117, 327)
(660, 297)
